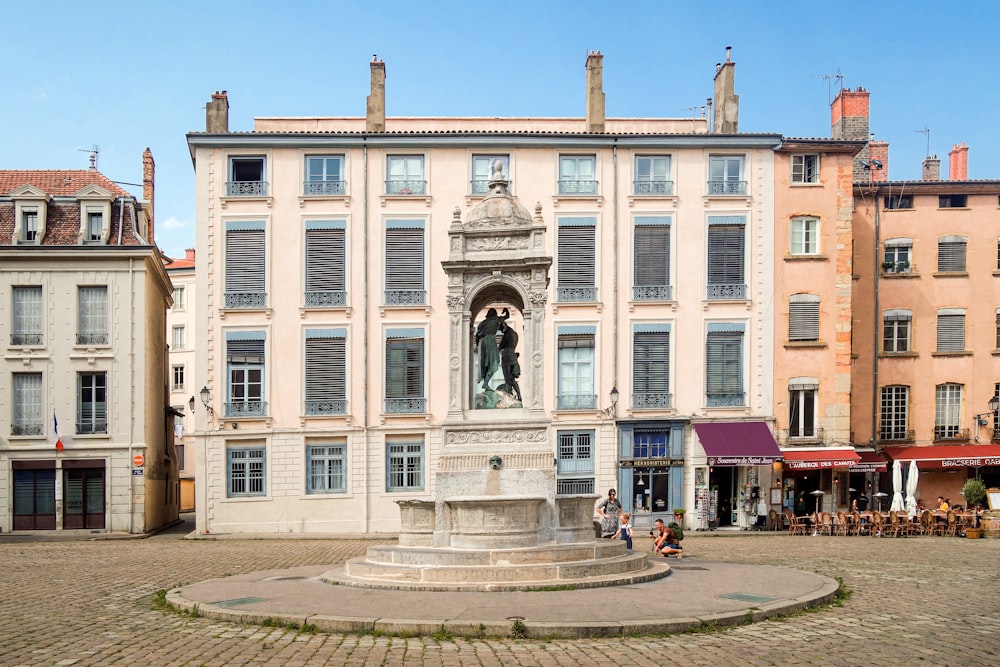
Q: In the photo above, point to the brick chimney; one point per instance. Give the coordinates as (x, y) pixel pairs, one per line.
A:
(148, 178)
(849, 113)
(375, 112)
(932, 168)
(958, 162)
(727, 102)
(595, 92)
(217, 113)
(878, 151)
(189, 254)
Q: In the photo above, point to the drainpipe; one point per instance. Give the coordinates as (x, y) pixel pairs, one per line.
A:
(364, 339)
(614, 279)
(121, 215)
(131, 400)
(875, 326)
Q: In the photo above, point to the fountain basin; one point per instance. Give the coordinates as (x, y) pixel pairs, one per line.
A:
(494, 522)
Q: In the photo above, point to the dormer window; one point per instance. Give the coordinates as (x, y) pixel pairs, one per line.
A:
(95, 222)
(95, 215)
(29, 225)
(31, 206)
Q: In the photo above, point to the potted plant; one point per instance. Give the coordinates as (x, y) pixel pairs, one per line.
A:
(974, 493)
(679, 514)
(888, 266)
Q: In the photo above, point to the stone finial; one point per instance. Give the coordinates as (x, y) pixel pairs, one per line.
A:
(538, 212)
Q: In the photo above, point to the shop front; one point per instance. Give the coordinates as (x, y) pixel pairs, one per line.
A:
(817, 479)
(866, 476)
(651, 470)
(738, 457)
(944, 468)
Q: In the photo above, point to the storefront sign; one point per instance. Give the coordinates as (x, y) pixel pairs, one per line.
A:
(970, 463)
(650, 463)
(819, 465)
(869, 467)
(742, 460)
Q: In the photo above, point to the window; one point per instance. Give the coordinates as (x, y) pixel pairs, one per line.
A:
(896, 331)
(805, 236)
(897, 256)
(482, 172)
(802, 407)
(95, 227)
(179, 293)
(404, 263)
(575, 277)
(577, 175)
(650, 444)
(324, 175)
(803, 318)
(246, 269)
(651, 366)
(724, 365)
(652, 175)
(327, 468)
(29, 225)
(246, 471)
(405, 175)
(947, 410)
(953, 201)
(951, 330)
(726, 243)
(894, 420)
(725, 175)
(575, 462)
(576, 368)
(245, 369)
(326, 372)
(326, 260)
(951, 254)
(92, 325)
(92, 403)
(405, 463)
(404, 371)
(805, 169)
(894, 202)
(246, 177)
(26, 417)
(997, 346)
(651, 253)
(26, 321)
(179, 336)
(177, 371)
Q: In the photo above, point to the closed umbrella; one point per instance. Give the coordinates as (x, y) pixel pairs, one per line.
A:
(897, 487)
(911, 489)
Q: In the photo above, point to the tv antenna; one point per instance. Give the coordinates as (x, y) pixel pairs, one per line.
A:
(694, 110)
(927, 132)
(829, 83)
(94, 151)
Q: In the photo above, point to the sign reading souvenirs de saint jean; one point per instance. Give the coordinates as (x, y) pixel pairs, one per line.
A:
(976, 462)
(742, 460)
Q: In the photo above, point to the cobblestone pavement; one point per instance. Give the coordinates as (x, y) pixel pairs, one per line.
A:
(919, 600)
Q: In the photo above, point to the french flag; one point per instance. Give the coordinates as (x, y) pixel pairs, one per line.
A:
(55, 425)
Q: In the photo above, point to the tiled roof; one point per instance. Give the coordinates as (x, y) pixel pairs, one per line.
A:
(57, 182)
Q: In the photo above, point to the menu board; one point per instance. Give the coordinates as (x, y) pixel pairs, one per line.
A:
(993, 496)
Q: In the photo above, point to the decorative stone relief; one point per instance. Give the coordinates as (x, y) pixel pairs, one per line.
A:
(496, 436)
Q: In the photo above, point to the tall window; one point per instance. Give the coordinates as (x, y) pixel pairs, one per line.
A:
(245, 368)
(405, 465)
(95, 226)
(405, 175)
(802, 407)
(652, 175)
(180, 335)
(951, 254)
(246, 471)
(951, 330)
(326, 372)
(997, 344)
(805, 169)
(324, 175)
(651, 253)
(26, 417)
(326, 262)
(725, 175)
(404, 263)
(327, 468)
(805, 236)
(482, 172)
(575, 462)
(577, 175)
(726, 248)
(896, 330)
(26, 321)
(179, 298)
(92, 403)
(947, 410)
(575, 277)
(177, 371)
(246, 269)
(576, 368)
(803, 318)
(92, 326)
(894, 417)
(246, 177)
(897, 256)
(29, 225)
(724, 365)
(651, 366)
(404, 371)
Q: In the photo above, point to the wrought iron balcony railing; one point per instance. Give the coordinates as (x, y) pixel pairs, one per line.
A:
(26, 339)
(727, 187)
(27, 428)
(799, 435)
(652, 292)
(405, 297)
(246, 299)
(896, 436)
(246, 408)
(326, 298)
(576, 401)
(578, 187)
(92, 339)
(405, 187)
(950, 433)
(576, 294)
(725, 399)
(413, 405)
(653, 187)
(328, 407)
(246, 189)
(324, 187)
(92, 427)
(726, 292)
(652, 399)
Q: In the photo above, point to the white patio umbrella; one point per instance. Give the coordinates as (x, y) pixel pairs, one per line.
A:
(897, 487)
(911, 489)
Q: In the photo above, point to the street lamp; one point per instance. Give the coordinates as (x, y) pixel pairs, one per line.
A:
(980, 419)
(611, 410)
(206, 396)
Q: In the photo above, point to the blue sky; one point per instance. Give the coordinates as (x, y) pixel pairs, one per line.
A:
(127, 75)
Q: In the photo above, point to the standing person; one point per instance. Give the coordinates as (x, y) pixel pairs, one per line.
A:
(609, 509)
(625, 530)
(862, 503)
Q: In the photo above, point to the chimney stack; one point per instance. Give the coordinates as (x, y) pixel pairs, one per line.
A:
(879, 153)
(217, 113)
(958, 162)
(375, 112)
(932, 168)
(148, 178)
(727, 102)
(849, 120)
(595, 92)
(189, 254)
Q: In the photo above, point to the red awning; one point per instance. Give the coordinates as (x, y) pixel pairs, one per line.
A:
(738, 443)
(938, 457)
(870, 462)
(819, 459)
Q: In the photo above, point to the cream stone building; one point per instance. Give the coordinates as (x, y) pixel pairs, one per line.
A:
(345, 265)
(182, 337)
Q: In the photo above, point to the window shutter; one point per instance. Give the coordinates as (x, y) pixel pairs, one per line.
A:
(325, 260)
(803, 318)
(245, 270)
(404, 257)
(652, 253)
(404, 368)
(326, 369)
(651, 363)
(245, 351)
(724, 362)
(725, 254)
(576, 253)
(951, 254)
(950, 333)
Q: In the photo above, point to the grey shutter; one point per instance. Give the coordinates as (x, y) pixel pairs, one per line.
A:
(326, 381)
(803, 319)
(245, 351)
(651, 369)
(576, 259)
(325, 260)
(951, 254)
(724, 362)
(245, 269)
(404, 368)
(725, 254)
(652, 254)
(950, 333)
(404, 262)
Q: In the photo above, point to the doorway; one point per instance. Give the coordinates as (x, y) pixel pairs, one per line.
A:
(83, 489)
(722, 480)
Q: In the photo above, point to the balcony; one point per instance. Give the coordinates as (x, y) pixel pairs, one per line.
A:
(246, 188)
(727, 292)
(405, 297)
(652, 292)
(652, 400)
(728, 399)
(585, 294)
(246, 408)
(895, 267)
(950, 433)
(896, 436)
(402, 406)
(578, 187)
(323, 188)
(481, 186)
(326, 299)
(405, 187)
(27, 428)
(799, 435)
(92, 427)
(653, 187)
(26, 339)
(246, 300)
(727, 187)
(576, 401)
(92, 339)
(329, 407)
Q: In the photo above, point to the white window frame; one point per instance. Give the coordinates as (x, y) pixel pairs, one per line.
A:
(947, 410)
(177, 377)
(246, 374)
(27, 314)
(482, 171)
(726, 175)
(324, 186)
(578, 175)
(805, 169)
(803, 405)
(179, 337)
(652, 175)
(179, 298)
(405, 174)
(804, 235)
(894, 417)
(27, 414)
(92, 411)
(576, 361)
(897, 327)
(92, 316)
(897, 257)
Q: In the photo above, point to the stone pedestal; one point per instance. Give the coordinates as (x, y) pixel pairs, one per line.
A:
(417, 517)
(494, 522)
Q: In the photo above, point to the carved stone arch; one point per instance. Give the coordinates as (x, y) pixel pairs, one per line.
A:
(496, 289)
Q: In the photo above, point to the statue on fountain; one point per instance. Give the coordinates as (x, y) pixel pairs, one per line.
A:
(494, 356)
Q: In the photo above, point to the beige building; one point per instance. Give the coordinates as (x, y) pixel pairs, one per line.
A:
(182, 337)
(85, 429)
(345, 265)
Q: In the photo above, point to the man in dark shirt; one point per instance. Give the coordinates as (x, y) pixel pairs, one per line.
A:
(862, 503)
(665, 541)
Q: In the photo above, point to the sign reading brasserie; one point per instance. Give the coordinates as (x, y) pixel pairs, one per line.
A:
(976, 462)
